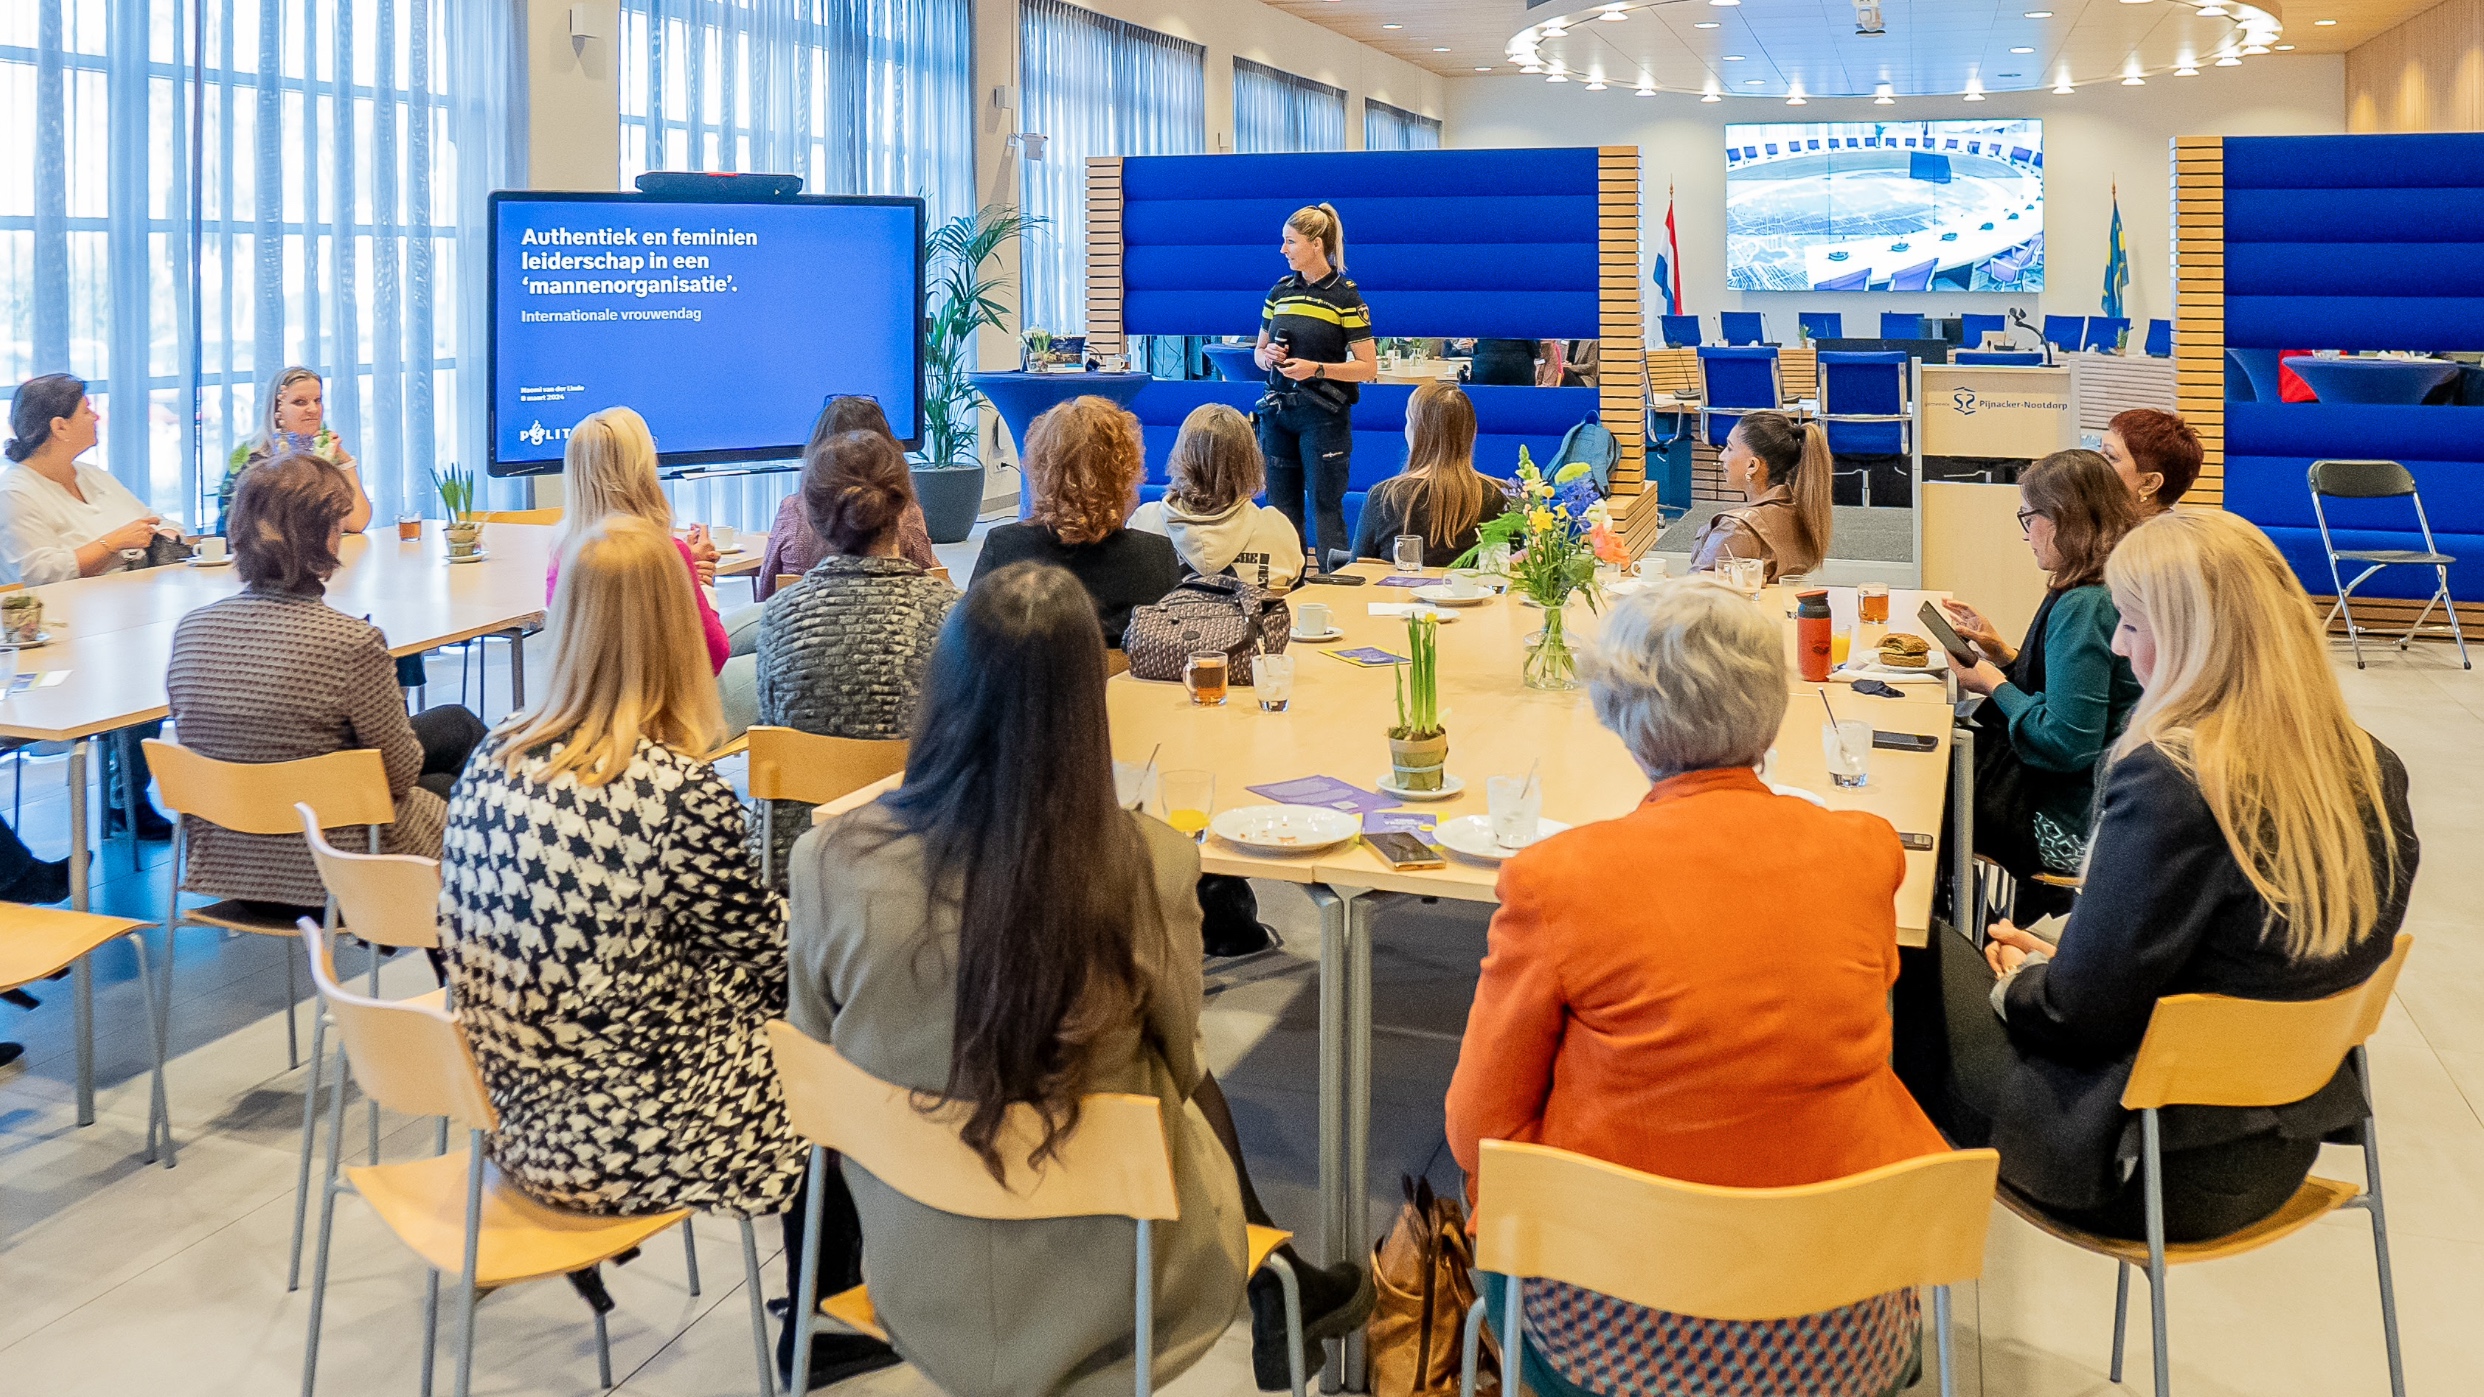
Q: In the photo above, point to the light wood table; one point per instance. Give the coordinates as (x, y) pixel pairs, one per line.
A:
(112, 635)
(1336, 725)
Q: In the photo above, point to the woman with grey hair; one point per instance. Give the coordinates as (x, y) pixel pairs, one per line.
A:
(1732, 1031)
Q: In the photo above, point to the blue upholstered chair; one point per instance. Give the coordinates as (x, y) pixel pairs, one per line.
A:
(1743, 327)
(1733, 382)
(2063, 331)
(1681, 331)
(2160, 339)
(1824, 324)
(1900, 325)
(2104, 332)
(2381, 480)
(1864, 404)
(2018, 357)
(1973, 328)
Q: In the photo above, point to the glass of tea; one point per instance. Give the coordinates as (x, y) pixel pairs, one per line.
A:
(409, 528)
(1872, 603)
(1204, 676)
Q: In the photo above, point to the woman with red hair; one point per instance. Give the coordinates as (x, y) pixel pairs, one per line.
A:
(1084, 460)
(2156, 454)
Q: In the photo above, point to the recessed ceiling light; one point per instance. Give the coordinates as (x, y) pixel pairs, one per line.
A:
(1884, 100)
(2134, 80)
(1705, 24)
(1615, 16)
(1796, 101)
(2022, 50)
(2212, 9)
(2285, 48)
(2064, 90)
(1733, 58)
(2255, 48)
(2323, 23)
(2229, 61)
(1754, 82)
(1975, 97)
(1723, 4)
(1596, 86)
(1484, 68)
(1646, 91)
(1558, 77)
(1711, 97)
(1392, 26)
(1440, 50)
(2039, 14)
(2186, 71)
(1532, 68)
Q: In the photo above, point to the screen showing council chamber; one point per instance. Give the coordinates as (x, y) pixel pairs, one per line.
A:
(1885, 206)
(725, 324)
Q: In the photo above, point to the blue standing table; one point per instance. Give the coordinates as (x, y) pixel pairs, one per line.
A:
(1020, 398)
(2368, 380)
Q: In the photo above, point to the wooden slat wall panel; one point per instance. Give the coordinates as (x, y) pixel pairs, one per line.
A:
(2199, 304)
(1104, 335)
(1622, 347)
(2104, 384)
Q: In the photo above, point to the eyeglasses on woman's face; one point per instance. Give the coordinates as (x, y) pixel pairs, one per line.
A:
(2027, 518)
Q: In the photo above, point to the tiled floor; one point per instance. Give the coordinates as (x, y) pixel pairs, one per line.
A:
(124, 1278)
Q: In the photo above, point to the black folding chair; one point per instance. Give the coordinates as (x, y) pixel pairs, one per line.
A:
(2381, 480)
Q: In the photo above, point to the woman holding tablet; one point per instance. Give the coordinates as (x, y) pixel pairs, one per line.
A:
(1315, 342)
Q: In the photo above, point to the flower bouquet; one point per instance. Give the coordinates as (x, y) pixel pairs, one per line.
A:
(1557, 530)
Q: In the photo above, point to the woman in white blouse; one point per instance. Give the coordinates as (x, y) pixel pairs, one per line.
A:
(60, 519)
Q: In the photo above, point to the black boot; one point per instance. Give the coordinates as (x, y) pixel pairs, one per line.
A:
(1335, 1301)
(1229, 917)
(153, 828)
(11, 1052)
(43, 881)
(835, 1356)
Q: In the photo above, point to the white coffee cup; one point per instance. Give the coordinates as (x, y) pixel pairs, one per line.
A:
(1651, 569)
(1311, 619)
(724, 536)
(211, 548)
(1464, 584)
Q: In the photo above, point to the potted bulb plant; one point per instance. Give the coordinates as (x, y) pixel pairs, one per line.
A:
(966, 286)
(456, 490)
(1419, 745)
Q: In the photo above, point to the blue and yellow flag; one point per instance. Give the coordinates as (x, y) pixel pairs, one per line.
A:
(2117, 261)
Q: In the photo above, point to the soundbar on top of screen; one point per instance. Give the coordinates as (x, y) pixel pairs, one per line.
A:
(1885, 206)
(725, 324)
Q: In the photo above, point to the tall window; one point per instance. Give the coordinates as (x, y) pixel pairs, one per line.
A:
(343, 150)
(1094, 86)
(1275, 111)
(1394, 128)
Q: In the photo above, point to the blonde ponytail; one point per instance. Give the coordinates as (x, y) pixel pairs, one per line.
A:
(1812, 508)
(1320, 222)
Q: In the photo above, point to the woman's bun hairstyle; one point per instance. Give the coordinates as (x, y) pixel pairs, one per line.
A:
(39, 401)
(855, 487)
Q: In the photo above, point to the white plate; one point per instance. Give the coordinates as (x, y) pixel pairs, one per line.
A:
(1471, 835)
(1286, 829)
(224, 562)
(476, 556)
(1331, 633)
(42, 638)
(1449, 786)
(1442, 596)
(1799, 794)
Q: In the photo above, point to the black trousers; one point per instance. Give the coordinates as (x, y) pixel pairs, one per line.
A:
(840, 1236)
(1300, 441)
(449, 734)
(1956, 1056)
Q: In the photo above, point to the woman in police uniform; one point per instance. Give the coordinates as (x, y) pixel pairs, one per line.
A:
(1315, 342)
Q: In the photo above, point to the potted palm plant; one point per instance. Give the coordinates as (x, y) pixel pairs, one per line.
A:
(965, 299)
(1419, 745)
(456, 490)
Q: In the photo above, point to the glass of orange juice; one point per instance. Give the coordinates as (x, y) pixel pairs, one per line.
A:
(1841, 645)
(1189, 797)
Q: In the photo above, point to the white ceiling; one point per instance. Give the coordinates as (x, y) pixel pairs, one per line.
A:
(1779, 48)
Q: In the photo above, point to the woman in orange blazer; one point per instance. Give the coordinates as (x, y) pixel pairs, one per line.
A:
(1729, 1027)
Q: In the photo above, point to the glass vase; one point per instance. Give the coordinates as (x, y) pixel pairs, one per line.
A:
(1550, 664)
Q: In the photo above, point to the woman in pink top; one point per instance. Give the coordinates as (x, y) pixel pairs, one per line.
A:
(610, 468)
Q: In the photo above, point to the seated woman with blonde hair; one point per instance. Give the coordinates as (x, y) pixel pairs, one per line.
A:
(2250, 841)
(1439, 494)
(1085, 459)
(1207, 509)
(608, 469)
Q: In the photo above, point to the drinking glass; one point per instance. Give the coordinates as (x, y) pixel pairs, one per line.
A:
(1274, 679)
(409, 528)
(1189, 797)
(1204, 676)
(8, 672)
(1745, 575)
(1407, 553)
(1133, 784)
(1494, 559)
(1872, 603)
(1841, 647)
(1846, 744)
(1515, 803)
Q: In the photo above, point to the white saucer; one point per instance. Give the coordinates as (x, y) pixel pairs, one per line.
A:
(476, 556)
(1331, 633)
(42, 638)
(1286, 829)
(729, 552)
(224, 562)
(1449, 786)
(1471, 837)
(1442, 596)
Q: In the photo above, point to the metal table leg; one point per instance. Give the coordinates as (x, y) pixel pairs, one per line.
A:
(517, 669)
(1356, 1200)
(1966, 905)
(82, 980)
(1332, 1055)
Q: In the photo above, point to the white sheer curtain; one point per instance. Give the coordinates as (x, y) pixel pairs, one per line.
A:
(1275, 111)
(855, 96)
(1094, 86)
(343, 150)
(1394, 128)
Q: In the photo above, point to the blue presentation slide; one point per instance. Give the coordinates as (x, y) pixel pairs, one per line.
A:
(724, 324)
(1885, 206)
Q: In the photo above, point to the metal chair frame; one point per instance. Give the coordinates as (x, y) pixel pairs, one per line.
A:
(2379, 558)
(1906, 419)
(1776, 375)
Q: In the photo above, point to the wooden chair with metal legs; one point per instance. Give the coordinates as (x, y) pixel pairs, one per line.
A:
(39, 942)
(2210, 1050)
(385, 900)
(351, 787)
(1115, 1164)
(789, 764)
(454, 1210)
(1690, 1249)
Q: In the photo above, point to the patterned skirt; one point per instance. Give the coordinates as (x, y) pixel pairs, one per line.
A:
(1611, 1346)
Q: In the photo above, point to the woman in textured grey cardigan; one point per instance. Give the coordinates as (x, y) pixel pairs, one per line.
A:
(276, 674)
(841, 652)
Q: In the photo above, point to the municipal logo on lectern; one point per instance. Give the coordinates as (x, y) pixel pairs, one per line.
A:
(1965, 399)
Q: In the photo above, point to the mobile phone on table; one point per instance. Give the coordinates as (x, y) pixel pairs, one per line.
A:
(1334, 579)
(1945, 635)
(1905, 741)
(1403, 851)
(1921, 843)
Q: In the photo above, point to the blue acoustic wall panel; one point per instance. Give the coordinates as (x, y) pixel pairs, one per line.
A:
(1498, 243)
(2357, 243)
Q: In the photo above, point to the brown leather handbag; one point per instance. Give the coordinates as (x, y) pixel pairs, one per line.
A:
(1424, 1272)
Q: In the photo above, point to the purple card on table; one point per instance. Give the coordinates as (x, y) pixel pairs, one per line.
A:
(1411, 822)
(1366, 657)
(1402, 580)
(1325, 791)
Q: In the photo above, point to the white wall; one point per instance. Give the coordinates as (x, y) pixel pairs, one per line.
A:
(2093, 138)
(573, 106)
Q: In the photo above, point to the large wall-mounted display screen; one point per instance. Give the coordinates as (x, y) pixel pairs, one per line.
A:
(1885, 206)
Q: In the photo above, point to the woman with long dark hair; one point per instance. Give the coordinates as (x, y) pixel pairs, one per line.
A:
(1783, 468)
(999, 932)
